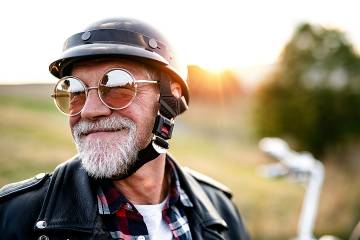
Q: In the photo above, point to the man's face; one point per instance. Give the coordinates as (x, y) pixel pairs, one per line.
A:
(108, 140)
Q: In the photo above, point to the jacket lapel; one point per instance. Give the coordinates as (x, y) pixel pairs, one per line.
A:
(205, 221)
(70, 203)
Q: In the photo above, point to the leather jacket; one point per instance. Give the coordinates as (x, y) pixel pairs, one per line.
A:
(62, 205)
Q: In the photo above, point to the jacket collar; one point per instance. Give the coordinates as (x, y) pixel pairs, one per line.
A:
(203, 209)
(70, 203)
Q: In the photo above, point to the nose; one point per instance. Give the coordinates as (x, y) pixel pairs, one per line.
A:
(94, 108)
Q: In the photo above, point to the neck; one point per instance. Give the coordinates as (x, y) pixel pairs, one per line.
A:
(148, 185)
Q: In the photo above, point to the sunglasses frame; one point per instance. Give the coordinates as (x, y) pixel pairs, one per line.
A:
(87, 89)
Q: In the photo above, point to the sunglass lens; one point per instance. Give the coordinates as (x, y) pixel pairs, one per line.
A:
(117, 89)
(70, 95)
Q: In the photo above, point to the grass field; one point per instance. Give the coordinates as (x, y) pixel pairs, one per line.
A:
(216, 140)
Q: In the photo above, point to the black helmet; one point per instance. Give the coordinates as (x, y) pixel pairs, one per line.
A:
(126, 38)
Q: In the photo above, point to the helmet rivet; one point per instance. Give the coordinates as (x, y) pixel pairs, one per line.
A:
(86, 36)
(153, 43)
(41, 224)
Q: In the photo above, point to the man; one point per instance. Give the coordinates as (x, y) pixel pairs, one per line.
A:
(121, 88)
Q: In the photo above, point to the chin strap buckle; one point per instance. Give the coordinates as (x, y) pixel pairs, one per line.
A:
(163, 127)
(162, 130)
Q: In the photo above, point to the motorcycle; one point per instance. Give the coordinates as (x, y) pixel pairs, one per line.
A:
(304, 168)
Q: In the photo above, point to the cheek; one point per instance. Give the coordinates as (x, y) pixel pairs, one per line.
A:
(147, 119)
(143, 115)
(73, 120)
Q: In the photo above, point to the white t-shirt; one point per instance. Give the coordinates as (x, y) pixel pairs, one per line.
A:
(157, 227)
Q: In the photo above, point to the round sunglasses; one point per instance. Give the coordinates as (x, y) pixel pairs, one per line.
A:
(116, 89)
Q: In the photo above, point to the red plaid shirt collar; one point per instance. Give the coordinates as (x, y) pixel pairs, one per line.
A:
(123, 220)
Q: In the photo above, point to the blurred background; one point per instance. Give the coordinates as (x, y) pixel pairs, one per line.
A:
(289, 69)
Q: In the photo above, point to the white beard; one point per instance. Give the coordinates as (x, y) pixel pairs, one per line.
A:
(106, 159)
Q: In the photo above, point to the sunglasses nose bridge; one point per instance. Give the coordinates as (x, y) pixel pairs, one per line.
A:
(90, 88)
(87, 91)
(94, 105)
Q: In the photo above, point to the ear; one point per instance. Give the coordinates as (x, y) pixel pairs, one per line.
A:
(175, 89)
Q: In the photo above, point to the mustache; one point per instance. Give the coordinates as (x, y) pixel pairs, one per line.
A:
(109, 124)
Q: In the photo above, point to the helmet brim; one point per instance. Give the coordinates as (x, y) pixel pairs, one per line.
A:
(60, 67)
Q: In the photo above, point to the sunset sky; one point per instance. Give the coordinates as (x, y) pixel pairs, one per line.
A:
(213, 34)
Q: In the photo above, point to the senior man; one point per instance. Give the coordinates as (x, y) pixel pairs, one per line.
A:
(121, 87)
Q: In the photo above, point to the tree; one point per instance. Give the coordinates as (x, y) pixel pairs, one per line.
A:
(313, 94)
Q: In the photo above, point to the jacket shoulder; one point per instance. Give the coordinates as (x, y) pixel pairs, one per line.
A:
(204, 179)
(13, 189)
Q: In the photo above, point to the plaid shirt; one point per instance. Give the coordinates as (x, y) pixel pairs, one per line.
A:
(123, 221)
